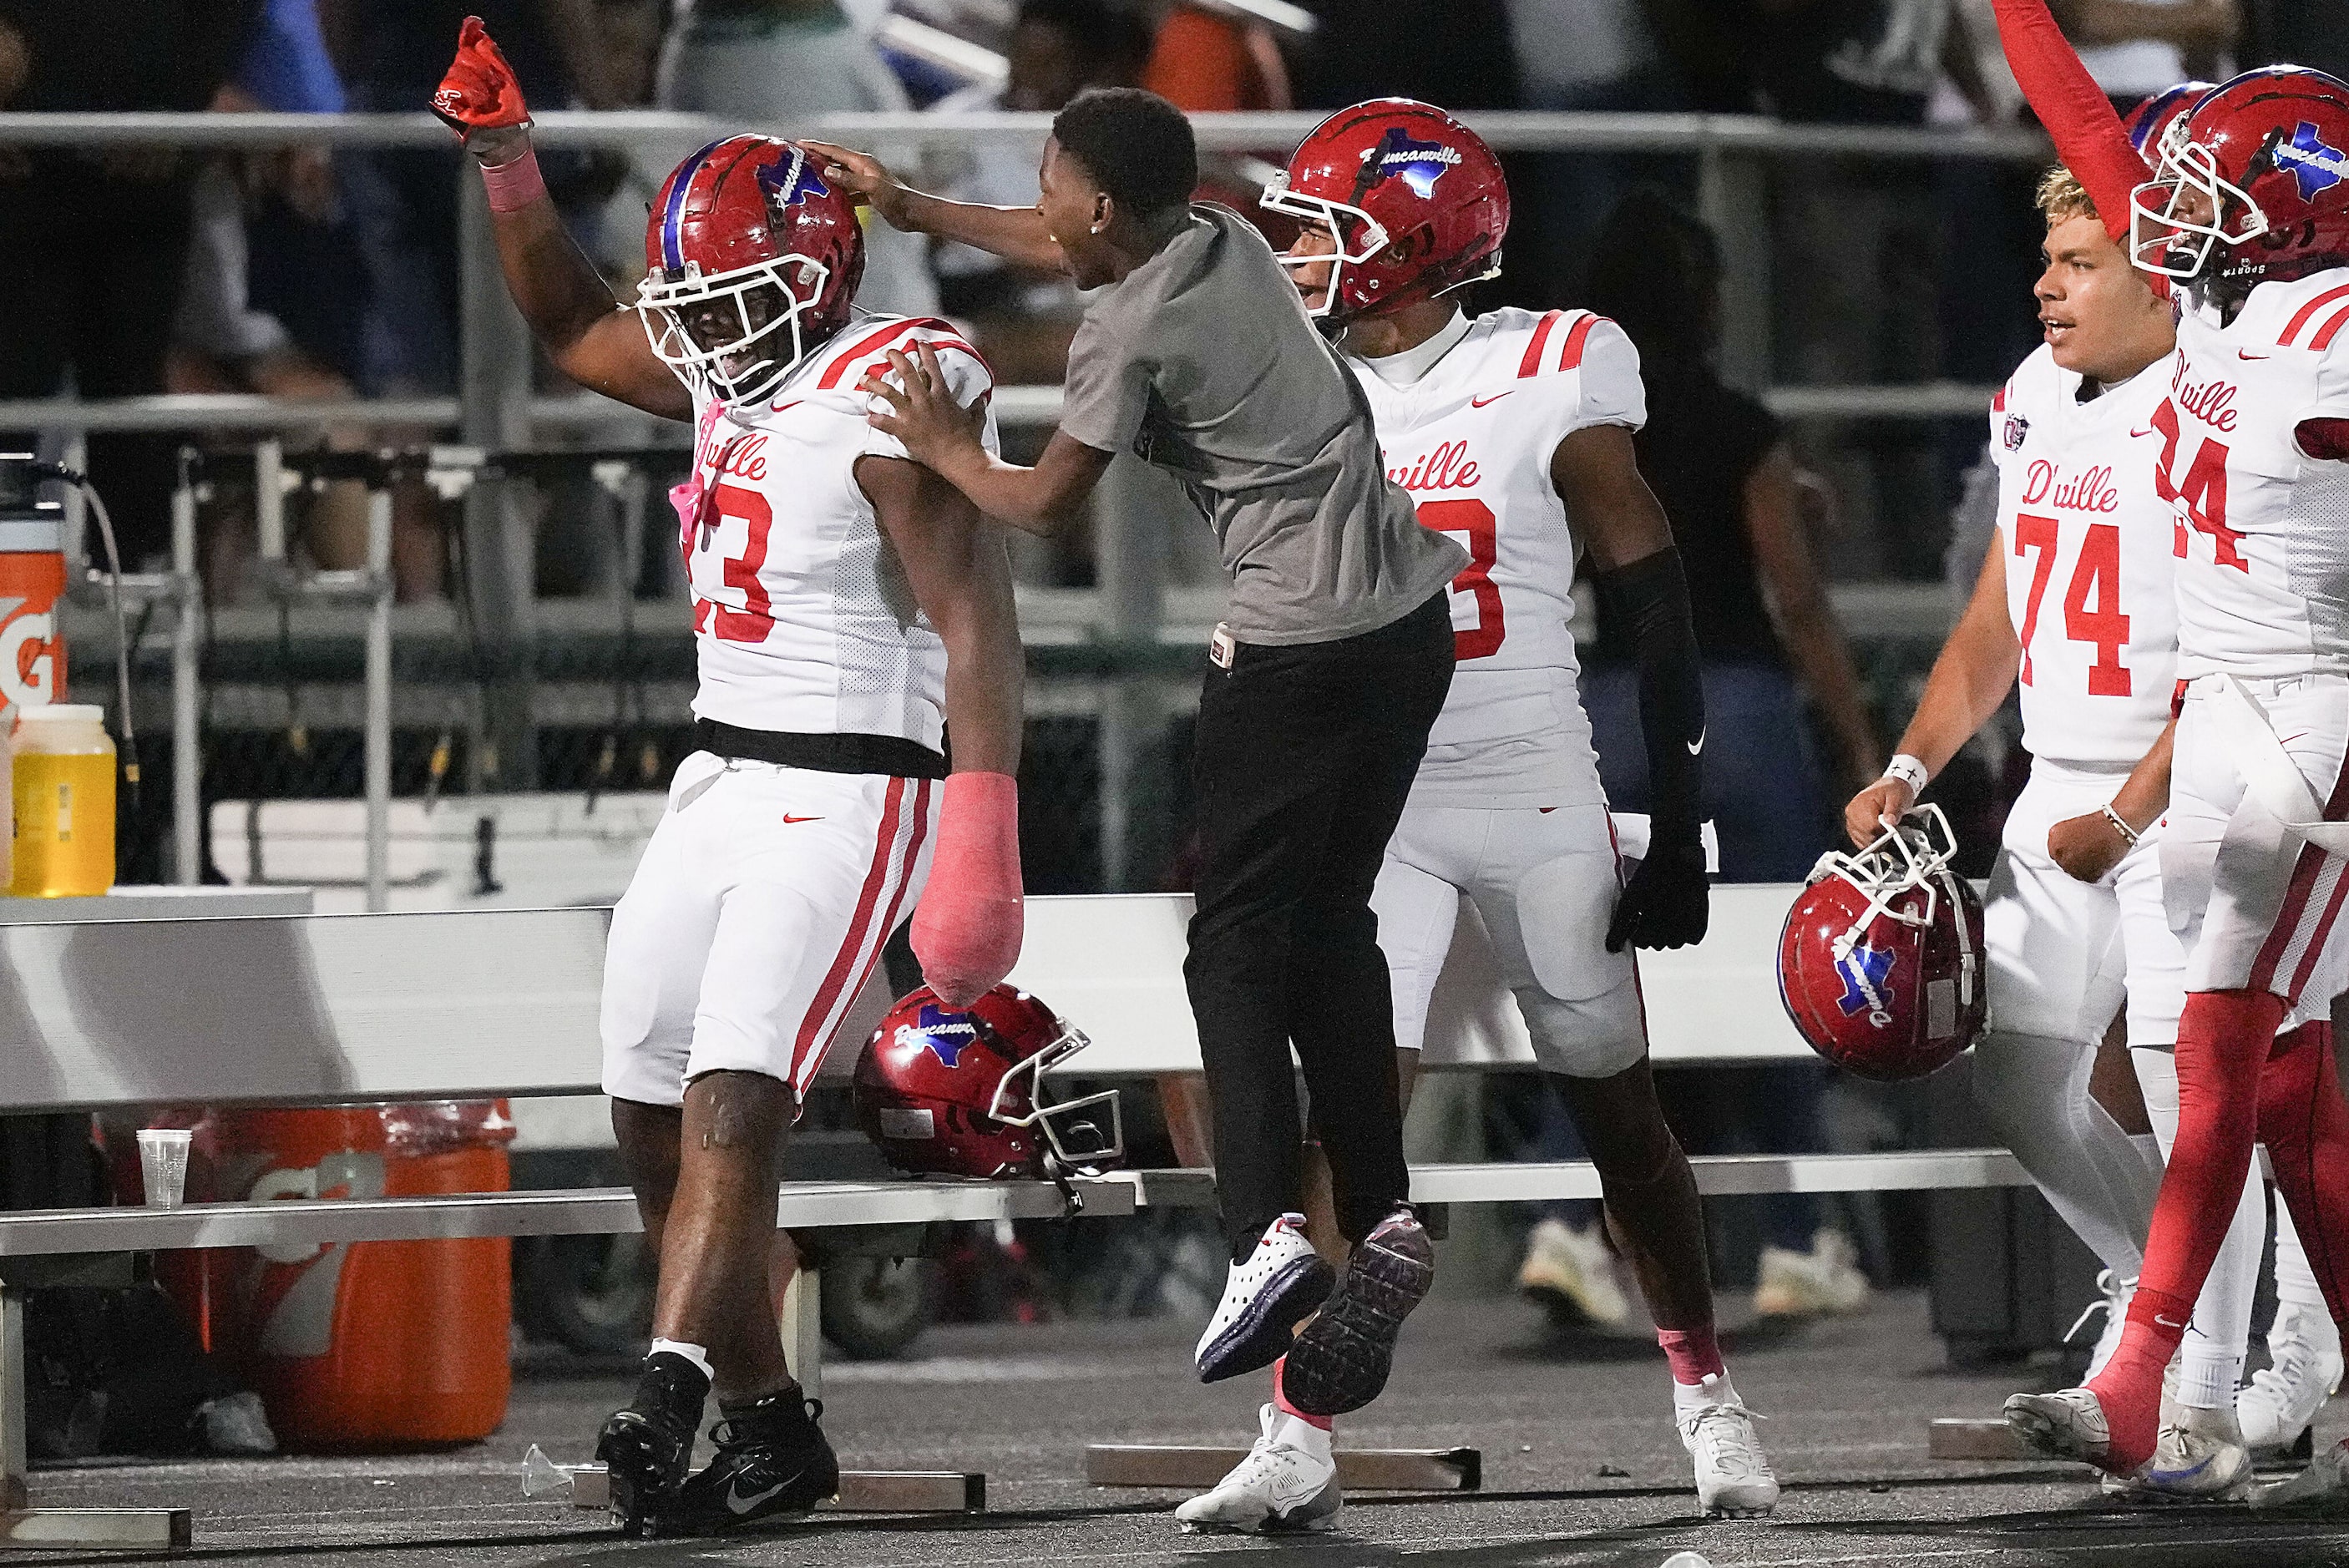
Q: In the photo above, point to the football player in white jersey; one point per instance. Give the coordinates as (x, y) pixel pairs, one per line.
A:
(848, 606)
(1513, 432)
(2075, 605)
(2249, 214)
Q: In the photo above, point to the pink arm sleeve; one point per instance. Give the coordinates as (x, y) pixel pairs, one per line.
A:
(968, 925)
(2073, 108)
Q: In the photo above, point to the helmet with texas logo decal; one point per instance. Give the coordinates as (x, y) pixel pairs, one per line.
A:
(752, 263)
(2149, 121)
(948, 1093)
(1880, 965)
(1413, 200)
(2251, 186)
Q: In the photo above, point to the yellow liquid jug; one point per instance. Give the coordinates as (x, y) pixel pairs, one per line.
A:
(64, 796)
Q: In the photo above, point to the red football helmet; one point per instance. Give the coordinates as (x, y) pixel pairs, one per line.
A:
(2149, 121)
(952, 1093)
(2252, 184)
(1413, 199)
(746, 241)
(1880, 963)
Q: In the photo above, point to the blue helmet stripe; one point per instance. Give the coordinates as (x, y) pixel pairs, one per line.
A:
(672, 256)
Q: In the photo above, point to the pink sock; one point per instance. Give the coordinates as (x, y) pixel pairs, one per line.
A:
(1280, 1401)
(1693, 1353)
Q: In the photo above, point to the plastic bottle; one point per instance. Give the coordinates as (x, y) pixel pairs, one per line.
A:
(64, 793)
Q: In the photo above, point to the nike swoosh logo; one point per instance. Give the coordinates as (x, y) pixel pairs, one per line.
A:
(1480, 402)
(789, 818)
(1696, 747)
(736, 1503)
(2166, 1323)
(2134, 434)
(2241, 354)
(782, 407)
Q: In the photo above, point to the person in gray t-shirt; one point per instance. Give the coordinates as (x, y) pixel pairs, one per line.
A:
(1198, 357)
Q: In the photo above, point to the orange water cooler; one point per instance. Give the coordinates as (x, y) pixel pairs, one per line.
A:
(365, 1345)
(31, 581)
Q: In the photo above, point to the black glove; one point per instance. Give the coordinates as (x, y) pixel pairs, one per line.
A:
(1666, 904)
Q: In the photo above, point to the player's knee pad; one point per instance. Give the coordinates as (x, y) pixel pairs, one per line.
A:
(2025, 1086)
(1593, 1037)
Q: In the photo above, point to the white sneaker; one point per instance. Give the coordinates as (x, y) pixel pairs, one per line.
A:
(1282, 1487)
(1824, 1280)
(1732, 1478)
(2068, 1424)
(2113, 1295)
(2324, 1482)
(2304, 1370)
(1266, 1295)
(1569, 1272)
(2199, 1458)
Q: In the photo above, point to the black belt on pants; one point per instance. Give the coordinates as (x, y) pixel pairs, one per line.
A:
(892, 754)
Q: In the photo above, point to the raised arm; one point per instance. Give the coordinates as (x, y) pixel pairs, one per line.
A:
(967, 927)
(570, 308)
(1976, 669)
(1636, 569)
(1018, 234)
(2088, 135)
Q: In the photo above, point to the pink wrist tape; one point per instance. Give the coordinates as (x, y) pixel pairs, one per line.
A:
(513, 185)
(968, 927)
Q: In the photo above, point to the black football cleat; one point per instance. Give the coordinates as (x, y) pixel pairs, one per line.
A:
(772, 1462)
(647, 1447)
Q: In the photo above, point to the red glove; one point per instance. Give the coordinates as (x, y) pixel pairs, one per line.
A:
(481, 91)
(968, 927)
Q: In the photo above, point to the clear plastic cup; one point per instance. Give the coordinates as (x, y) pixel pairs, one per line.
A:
(163, 1162)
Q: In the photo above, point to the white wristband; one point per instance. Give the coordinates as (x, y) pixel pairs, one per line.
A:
(1910, 771)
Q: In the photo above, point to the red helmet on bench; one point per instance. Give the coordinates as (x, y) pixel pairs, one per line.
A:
(953, 1093)
(1880, 964)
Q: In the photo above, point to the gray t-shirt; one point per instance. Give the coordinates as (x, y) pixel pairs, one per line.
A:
(1204, 363)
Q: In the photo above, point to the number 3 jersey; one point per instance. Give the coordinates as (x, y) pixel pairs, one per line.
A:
(1472, 440)
(803, 617)
(2089, 564)
(2264, 591)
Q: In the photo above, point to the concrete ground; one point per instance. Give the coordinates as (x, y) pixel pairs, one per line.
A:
(1581, 1466)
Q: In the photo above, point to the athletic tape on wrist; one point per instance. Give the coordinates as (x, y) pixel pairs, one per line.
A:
(1910, 771)
(515, 184)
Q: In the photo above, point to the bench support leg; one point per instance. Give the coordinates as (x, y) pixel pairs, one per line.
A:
(803, 1326)
(69, 1528)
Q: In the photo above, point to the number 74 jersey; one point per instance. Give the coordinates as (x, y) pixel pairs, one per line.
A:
(2090, 561)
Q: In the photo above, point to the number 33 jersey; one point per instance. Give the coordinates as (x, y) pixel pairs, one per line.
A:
(803, 617)
(1472, 440)
(2090, 561)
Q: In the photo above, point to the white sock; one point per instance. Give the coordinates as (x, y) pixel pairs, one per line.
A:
(2034, 1092)
(693, 1353)
(2148, 1152)
(2210, 1358)
(1299, 1433)
(2295, 1281)
(1690, 1398)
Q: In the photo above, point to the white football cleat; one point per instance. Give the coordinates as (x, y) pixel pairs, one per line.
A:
(2304, 1370)
(2324, 1482)
(2198, 1457)
(1732, 1477)
(1570, 1273)
(1283, 1486)
(2068, 1424)
(2113, 1295)
(1266, 1295)
(1825, 1280)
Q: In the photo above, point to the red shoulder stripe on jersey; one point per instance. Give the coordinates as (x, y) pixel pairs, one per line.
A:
(1998, 403)
(840, 367)
(1570, 356)
(2307, 313)
(2331, 330)
(1531, 363)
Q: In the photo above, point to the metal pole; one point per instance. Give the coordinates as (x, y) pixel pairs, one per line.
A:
(1734, 197)
(379, 697)
(269, 497)
(1134, 510)
(187, 633)
(12, 1391)
(494, 395)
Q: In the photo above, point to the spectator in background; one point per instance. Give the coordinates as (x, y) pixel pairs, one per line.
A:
(1206, 59)
(1023, 320)
(1455, 53)
(1721, 464)
(2135, 48)
(93, 244)
(787, 62)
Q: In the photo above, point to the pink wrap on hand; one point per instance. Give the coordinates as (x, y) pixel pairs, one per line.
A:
(968, 927)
